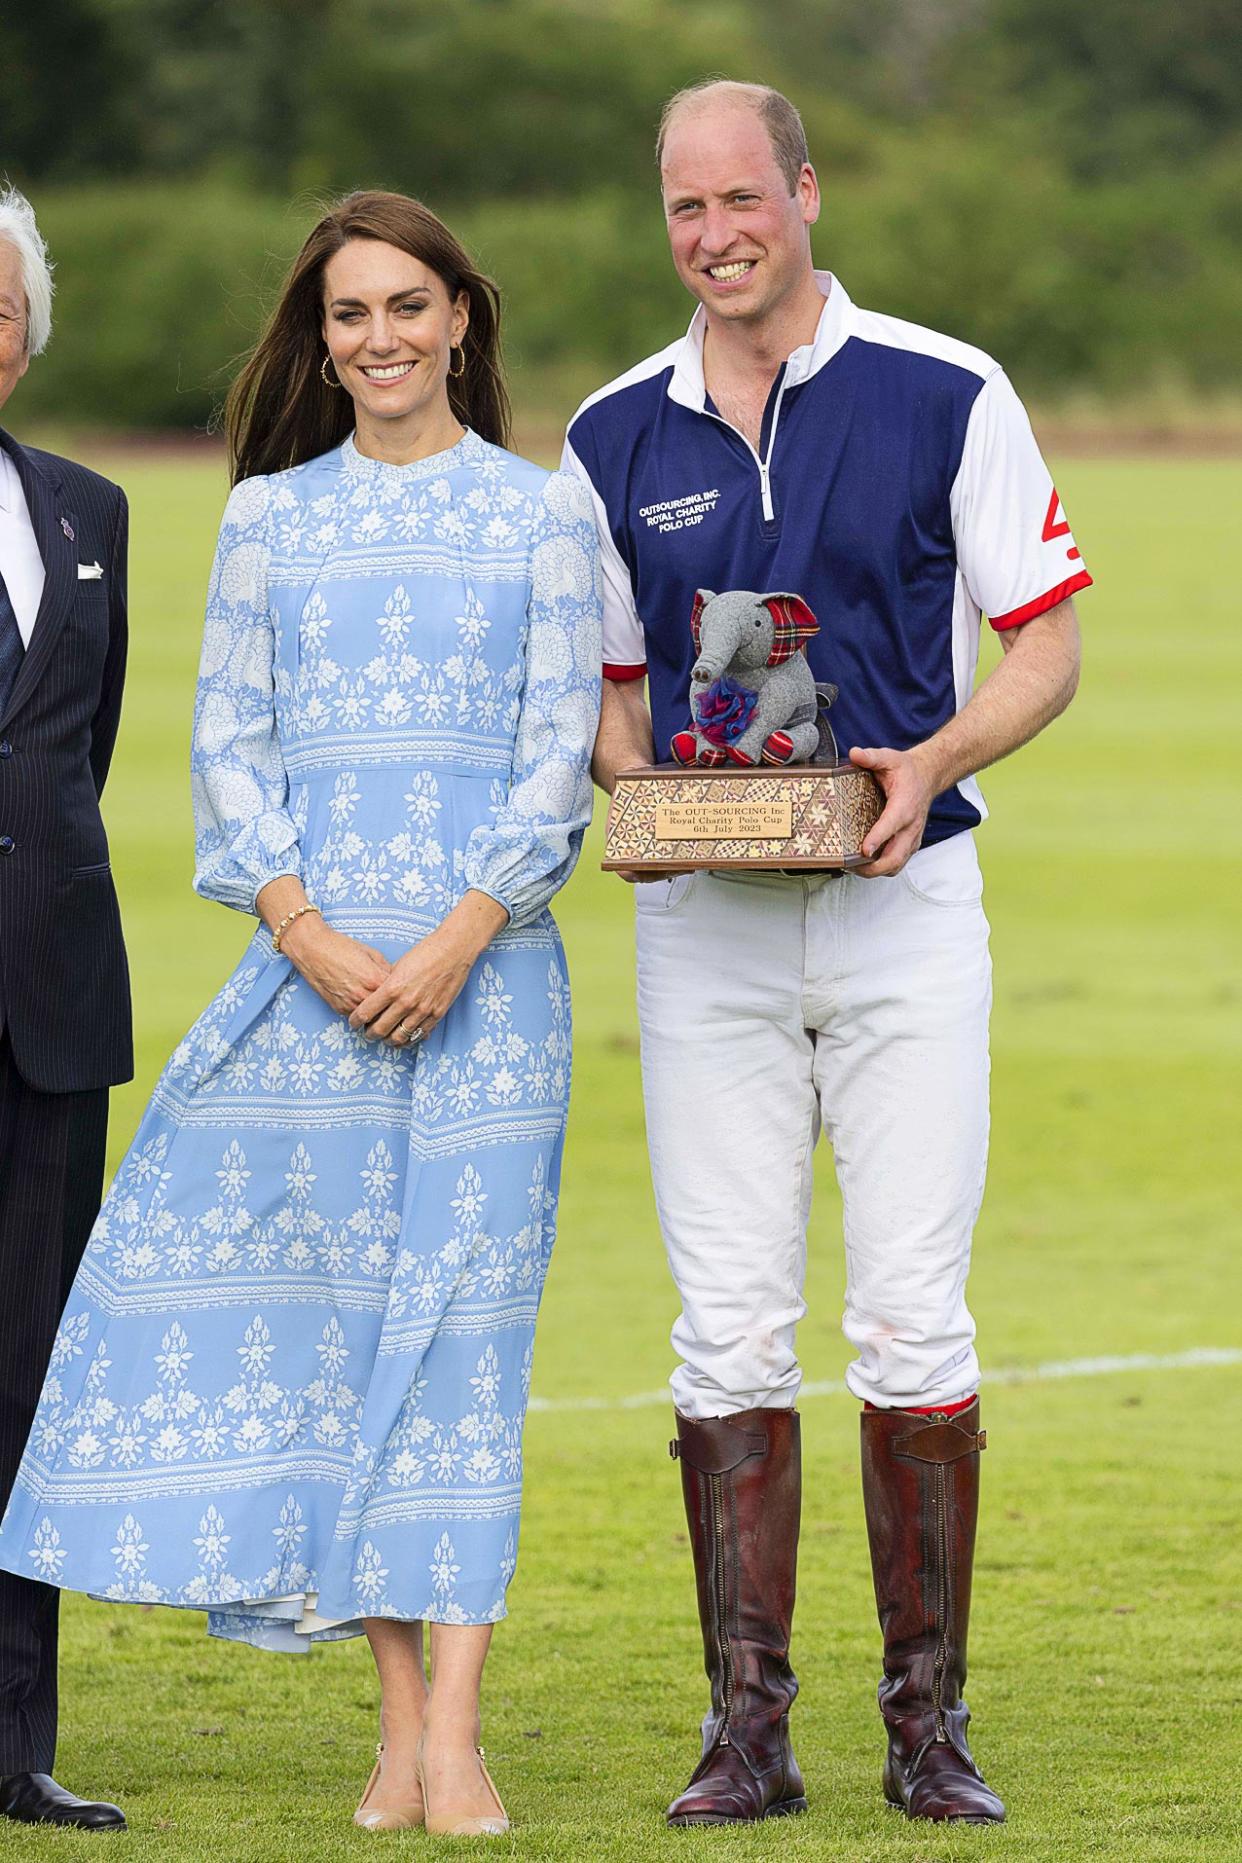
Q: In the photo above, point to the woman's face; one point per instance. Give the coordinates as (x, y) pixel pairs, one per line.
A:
(389, 324)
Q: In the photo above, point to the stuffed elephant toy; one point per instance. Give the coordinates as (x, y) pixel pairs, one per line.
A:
(753, 697)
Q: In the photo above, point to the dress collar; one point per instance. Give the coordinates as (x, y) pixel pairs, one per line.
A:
(467, 451)
(687, 385)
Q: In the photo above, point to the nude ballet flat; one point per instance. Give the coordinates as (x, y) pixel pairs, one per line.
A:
(404, 1818)
(465, 1824)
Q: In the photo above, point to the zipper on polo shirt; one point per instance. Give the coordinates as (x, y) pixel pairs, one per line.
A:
(764, 465)
(765, 491)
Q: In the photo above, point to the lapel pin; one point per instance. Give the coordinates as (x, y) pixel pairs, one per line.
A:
(67, 527)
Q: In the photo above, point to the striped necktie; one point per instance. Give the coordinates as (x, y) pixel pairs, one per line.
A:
(12, 647)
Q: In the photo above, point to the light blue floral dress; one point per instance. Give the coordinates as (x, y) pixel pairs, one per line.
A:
(291, 1378)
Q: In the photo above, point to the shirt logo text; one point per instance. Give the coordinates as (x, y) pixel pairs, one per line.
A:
(680, 513)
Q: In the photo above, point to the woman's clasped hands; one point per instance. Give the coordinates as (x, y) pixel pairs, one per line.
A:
(418, 990)
(342, 970)
(421, 987)
(399, 1002)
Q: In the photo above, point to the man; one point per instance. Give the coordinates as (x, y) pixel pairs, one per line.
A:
(64, 988)
(791, 443)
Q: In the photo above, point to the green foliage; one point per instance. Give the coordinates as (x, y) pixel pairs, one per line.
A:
(486, 99)
(1135, 87)
(1057, 183)
(38, 137)
(158, 289)
(1118, 286)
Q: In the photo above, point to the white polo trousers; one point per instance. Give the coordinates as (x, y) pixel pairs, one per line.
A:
(770, 1006)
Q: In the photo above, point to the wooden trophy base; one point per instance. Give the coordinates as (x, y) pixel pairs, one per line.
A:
(792, 818)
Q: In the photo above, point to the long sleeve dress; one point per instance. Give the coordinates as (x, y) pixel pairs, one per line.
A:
(291, 1378)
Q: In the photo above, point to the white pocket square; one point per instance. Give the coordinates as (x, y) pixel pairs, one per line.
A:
(89, 572)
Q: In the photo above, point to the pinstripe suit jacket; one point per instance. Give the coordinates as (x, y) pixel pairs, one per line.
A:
(64, 983)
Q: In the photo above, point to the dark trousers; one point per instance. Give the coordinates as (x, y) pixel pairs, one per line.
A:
(51, 1179)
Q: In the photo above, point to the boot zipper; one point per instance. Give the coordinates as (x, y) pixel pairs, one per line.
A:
(721, 1590)
(942, 1598)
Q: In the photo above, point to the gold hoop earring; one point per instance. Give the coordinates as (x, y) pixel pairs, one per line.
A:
(455, 373)
(323, 372)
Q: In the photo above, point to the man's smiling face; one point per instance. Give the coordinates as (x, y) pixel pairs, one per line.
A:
(740, 239)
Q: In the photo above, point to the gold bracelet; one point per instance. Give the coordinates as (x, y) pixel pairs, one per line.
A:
(297, 913)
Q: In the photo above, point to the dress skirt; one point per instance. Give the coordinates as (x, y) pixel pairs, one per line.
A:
(290, 1383)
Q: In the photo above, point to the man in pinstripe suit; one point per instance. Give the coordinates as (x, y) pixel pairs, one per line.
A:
(64, 987)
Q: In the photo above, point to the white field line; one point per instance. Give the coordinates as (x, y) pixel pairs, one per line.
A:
(1005, 1374)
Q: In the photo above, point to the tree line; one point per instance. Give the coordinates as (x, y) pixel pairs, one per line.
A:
(1056, 182)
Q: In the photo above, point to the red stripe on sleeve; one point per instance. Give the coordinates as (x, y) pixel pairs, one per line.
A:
(612, 671)
(1042, 603)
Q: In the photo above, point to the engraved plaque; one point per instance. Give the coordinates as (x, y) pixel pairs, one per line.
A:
(799, 818)
(724, 821)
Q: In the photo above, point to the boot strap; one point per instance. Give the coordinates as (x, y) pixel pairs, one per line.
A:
(940, 1442)
(715, 1446)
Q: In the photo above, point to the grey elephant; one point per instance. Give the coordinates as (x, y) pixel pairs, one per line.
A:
(753, 697)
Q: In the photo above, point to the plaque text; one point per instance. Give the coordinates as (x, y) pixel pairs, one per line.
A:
(723, 821)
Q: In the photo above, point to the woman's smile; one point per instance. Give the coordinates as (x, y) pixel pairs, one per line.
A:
(387, 371)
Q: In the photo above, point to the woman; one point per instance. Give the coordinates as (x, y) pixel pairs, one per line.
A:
(290, 1382)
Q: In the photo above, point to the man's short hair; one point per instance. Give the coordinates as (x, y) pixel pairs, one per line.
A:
(780, 119)
(17, 225)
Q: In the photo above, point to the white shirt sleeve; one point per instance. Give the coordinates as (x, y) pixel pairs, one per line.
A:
(625, 650)
(1014, 545)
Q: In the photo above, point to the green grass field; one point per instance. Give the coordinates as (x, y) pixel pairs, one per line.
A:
(1108, 1600)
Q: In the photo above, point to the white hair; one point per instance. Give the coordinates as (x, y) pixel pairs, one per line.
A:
(17, 225)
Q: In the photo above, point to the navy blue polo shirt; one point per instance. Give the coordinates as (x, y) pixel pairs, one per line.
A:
(897, 488)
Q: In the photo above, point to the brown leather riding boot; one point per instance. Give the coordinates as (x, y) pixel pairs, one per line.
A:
(921, 1493)
(742, 1481)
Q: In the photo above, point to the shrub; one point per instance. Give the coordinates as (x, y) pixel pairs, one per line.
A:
(1109, 289)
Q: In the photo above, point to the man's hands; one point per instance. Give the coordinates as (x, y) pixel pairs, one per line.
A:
(421, 987)
(910, 787)
(339, 969)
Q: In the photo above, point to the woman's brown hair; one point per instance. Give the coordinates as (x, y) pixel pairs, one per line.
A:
(279, 410)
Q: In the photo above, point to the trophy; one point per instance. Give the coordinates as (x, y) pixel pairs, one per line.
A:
(757, 780)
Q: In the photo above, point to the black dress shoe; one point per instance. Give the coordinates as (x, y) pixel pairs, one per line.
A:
(35, 1798)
